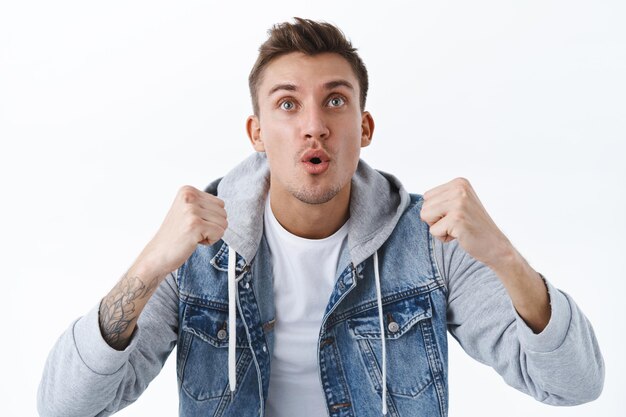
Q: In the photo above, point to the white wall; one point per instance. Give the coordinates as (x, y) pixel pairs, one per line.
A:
(106, 108)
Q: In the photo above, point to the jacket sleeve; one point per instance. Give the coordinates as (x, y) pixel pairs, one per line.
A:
(84, 376)
(562, 365)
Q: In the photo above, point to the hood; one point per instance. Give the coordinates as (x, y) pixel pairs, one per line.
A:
(377, 201)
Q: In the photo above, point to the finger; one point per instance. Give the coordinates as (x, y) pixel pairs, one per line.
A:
(210, 216)
(443, 230)
(211, 233)
(453, 196)
(457, 184)
(215, 205)
(437, 206)
(430, 217)
(435, 191)
(212, 211)
(210, 199)
(188, 194)
(432, 212)
(191, 195)
(198, 217)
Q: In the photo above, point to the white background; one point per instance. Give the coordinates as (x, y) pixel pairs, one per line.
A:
(106, 109)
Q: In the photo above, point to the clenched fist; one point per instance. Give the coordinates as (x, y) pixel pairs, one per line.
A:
(453, 211)
(195, 218)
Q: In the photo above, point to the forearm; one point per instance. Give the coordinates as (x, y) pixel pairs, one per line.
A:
(526, 288)
(562, 365)
(121, 307)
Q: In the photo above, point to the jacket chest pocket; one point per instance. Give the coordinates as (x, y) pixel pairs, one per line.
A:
(203, 352)
(410, 344)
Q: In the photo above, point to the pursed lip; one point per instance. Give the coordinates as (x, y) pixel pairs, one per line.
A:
(318, 167)
(315, 153)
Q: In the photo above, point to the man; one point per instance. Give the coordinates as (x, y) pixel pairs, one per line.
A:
(306, 283)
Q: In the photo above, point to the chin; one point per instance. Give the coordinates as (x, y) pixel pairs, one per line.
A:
(311, 196)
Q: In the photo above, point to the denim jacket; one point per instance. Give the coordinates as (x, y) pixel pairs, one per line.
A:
(426, 289)
(349, 347)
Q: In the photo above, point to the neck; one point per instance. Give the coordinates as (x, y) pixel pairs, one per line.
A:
(311, 221)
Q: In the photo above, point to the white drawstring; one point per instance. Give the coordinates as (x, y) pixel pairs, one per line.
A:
(232, 326)
(379, 301)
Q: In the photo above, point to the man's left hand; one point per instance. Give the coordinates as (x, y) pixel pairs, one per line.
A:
(453, 211)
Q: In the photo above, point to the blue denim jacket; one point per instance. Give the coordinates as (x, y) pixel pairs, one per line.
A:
(349, 348)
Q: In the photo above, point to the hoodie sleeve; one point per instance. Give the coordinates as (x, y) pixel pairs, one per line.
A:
(84, 376)
(562, 365)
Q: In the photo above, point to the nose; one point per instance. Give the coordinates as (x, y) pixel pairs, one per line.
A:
(314, 124)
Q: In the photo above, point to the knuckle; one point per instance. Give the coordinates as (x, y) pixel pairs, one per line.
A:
(462, 191)
(186, 188)
(462, 181)
(187, 194)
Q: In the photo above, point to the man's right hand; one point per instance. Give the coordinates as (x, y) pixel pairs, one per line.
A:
(195, 218)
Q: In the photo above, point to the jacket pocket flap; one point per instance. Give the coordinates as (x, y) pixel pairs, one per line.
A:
(398, 318)
(211, 325)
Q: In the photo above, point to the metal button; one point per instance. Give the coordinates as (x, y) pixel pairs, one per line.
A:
(264, 348)
(393, 327)
(247, 285)
(222, 334)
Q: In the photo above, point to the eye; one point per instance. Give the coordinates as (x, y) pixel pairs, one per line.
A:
(287, 105)
(336, 102)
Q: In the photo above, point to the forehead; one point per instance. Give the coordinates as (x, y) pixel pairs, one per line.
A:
(306, 71)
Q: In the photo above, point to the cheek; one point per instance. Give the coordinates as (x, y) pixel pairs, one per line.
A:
(350, 127)
(352, 144)
(276, 129)
(276, 147)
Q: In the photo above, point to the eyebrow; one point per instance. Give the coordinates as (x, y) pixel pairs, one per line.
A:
(338, 83)
(327, 86)
(287, 87)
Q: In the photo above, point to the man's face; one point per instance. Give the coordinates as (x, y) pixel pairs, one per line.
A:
(310, 125)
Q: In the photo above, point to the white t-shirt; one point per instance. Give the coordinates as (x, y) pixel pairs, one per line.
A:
(304, 277)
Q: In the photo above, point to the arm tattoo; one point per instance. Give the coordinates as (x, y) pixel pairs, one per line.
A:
(118, 310)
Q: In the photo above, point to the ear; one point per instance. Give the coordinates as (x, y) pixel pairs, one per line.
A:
(367, 129)
(253, 128)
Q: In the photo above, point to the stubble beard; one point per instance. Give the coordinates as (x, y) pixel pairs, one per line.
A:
(312, 196)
